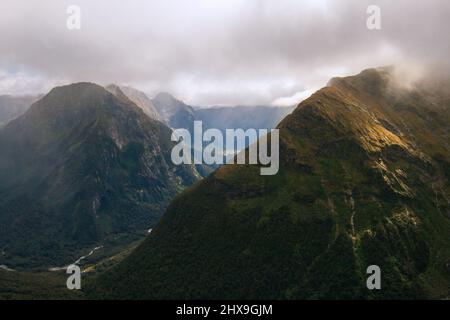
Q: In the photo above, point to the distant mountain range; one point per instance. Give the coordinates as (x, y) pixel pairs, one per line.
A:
(173, 112)
(167, 108)
(244, 117)
(363, 180)
(177, 114)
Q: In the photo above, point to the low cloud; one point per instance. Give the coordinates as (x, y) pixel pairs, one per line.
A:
(294, 99)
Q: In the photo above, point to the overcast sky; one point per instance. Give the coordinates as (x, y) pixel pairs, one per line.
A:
(214, 52)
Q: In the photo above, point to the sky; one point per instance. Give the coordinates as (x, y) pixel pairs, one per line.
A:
(215, 52)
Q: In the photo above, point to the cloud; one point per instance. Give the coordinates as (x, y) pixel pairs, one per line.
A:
(214, 52)
(294, 99)
(19, 83)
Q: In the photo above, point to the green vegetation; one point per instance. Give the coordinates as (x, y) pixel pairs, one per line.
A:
(362, 181)
(35, 286)
(82, 168)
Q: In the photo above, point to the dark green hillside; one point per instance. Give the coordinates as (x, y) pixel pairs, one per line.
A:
(82, 168)
(35, 286)
(363, 180)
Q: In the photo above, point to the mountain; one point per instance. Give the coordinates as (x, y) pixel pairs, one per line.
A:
(244, 117)
(363, 180)
(81, 168)
(137, 97)
(174, 112)
(12, 107)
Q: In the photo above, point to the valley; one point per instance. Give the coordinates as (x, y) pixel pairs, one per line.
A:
(363, 180)
(225, 158)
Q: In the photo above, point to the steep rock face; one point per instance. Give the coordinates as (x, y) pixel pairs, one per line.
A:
(363, 180)
(137, 97)
(174, 112)
(82, 167)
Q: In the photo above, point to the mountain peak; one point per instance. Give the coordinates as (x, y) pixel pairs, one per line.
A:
(117, 91)
(79, 87)
(166, 98)
(72, 97)
(371, 75)
(75, 91)
(105, 166)
(175, 112)
(141, 100)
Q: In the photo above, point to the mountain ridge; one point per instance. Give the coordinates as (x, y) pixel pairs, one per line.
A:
(361, 183)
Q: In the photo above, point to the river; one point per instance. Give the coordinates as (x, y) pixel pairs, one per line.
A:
(78, 261)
